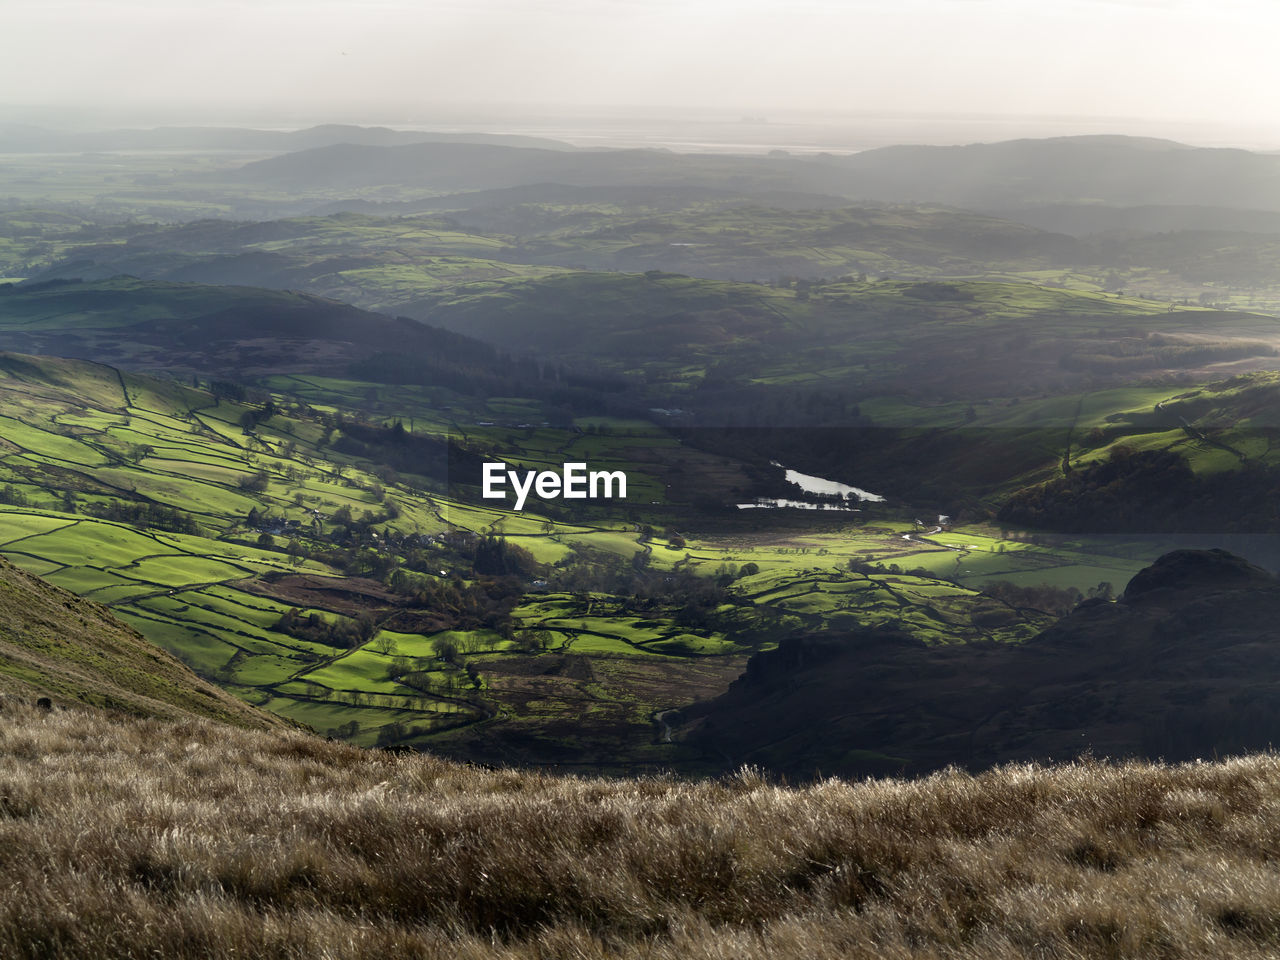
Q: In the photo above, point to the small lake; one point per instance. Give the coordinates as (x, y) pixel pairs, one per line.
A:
(817, 486)
(823, 487)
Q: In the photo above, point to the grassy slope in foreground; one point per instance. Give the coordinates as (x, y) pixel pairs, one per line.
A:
(55, 644)
(359, 854)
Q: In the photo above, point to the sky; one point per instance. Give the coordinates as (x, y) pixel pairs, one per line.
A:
(1154, 64)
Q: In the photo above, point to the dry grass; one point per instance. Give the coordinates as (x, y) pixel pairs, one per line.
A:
(147, 838)
(55, 644)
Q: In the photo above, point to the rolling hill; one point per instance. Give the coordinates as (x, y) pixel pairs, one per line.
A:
(373, 263)
(905, 338)
(390, 255)
(451, 167)
(1115, 170)
(385, 262)
(236, 332)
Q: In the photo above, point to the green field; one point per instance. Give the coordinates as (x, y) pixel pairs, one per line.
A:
(283, 489)
(258, 535)
(80, 439)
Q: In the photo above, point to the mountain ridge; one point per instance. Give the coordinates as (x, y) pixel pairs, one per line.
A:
(1109, 169)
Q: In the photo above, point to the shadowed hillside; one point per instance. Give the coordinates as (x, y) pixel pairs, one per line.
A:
(1181, 667)
(239, 330)
(247, 332)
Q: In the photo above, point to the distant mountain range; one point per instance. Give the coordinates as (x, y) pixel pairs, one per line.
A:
(475, 166)
(1110, 170)
(1104, 170)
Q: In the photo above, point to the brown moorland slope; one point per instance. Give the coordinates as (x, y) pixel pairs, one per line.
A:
(57, 645)
(147, 838)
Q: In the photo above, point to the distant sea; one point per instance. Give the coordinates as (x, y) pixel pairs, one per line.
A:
(708, 132)
(690, 130)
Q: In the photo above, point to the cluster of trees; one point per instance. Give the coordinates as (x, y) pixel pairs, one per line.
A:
(357, 528)
(13, 496)
(145, 516)
(482, 604)
(1045, 597)
(534, 640)
(486, 556)
(250, 419)
(342, 632)
(401, 450)
(872, 569)
(256, 482)
(228, 390)
(635, 588)
(596, 571)
(496, 557)
(418, 673)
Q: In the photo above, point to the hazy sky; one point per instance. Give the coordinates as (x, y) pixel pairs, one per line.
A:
(379, 60)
